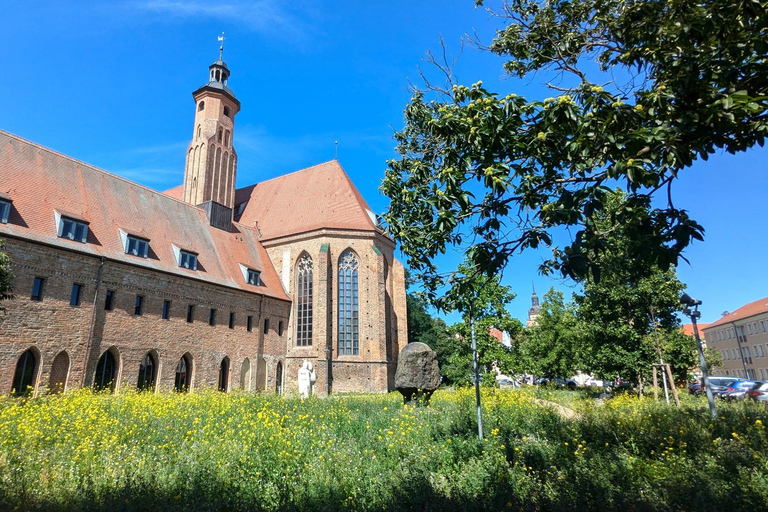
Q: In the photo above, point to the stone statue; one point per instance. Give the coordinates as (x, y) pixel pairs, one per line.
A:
(418, 374)
(307, 379)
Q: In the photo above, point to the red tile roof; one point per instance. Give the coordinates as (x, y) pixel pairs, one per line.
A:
(688, 328)
(40, 181)
(746, 311)
(317, 197)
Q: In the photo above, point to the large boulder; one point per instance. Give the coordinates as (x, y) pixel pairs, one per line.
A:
(418, 374)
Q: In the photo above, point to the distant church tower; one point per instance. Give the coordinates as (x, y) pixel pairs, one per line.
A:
(533, 313)
(209, 174)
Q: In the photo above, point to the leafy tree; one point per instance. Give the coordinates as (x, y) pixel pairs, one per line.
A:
(552, 347)
(628, 308)
(419, 320)
(6, 275)
(673, 82)
(483, 303)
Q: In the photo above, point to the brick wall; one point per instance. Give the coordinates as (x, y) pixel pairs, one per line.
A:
(382, 309)
(52, 325)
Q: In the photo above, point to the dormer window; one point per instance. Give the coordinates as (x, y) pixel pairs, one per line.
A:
(136, 246)
(5, 211)
(254, 277)
(250, 275)
(184, 257)
(188, 260)
(73, 229)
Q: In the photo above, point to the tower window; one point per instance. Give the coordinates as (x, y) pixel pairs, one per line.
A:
(226, 138)
(226, 111)
(231, 320)
(212, 317)
(190, 313)
(200, 106)
(166, 310)
(220, 134)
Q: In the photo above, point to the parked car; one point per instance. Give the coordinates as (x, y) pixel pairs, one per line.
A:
(556, 381)
(506, 382)
(719, 385)
(738, 389)
(759, 392)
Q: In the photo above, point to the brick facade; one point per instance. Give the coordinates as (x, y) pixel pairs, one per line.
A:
(382, 319)
(52, 325)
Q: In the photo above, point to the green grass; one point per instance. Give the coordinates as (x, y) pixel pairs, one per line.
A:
(209, 451)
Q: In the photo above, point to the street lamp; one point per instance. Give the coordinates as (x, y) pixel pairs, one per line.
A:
(689, 302)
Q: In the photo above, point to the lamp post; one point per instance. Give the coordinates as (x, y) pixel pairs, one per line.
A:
(327, 371)
(689, 302)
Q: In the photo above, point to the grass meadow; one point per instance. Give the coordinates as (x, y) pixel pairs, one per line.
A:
(209, 451)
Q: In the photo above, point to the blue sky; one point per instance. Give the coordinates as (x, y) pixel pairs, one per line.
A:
(110, 83)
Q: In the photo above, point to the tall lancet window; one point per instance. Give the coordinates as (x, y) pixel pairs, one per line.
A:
(348, 306)
(304, 301)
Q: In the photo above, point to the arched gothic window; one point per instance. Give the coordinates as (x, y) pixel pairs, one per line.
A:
(147, 371)
(24, 377)
(304, 298)
(183, 374)
(224, 375)
(348, 305)
(59, 373)
(106, 370)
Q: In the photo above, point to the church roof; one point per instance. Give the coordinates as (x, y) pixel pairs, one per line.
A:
(321, 196)
(41, 182)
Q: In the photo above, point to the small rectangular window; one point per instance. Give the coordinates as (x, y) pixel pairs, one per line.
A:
(166, 309)
(136, 246)
(250, 323)
(212, 317)
(280, 328)
(109, 300)
(231, 320)
(266, 325)
(188, 260)
(5, 211)
(139, 309)
(73, 229)
(190, 313)
(74, 299)
(254, 277)
(37, 288)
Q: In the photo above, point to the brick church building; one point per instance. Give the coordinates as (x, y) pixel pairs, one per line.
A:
(203, 286)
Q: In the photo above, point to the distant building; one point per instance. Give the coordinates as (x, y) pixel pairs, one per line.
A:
(741, 337)
(533, 312)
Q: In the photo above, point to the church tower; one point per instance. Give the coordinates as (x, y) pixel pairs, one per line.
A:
(211, 167)
(533, 312)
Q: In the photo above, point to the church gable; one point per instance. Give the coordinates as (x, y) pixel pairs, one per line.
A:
(314, 198)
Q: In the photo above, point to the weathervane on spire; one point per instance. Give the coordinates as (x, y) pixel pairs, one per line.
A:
(221, 47)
